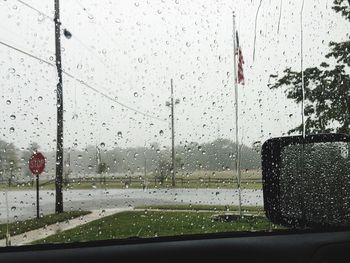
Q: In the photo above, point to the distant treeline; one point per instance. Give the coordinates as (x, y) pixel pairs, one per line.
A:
(218, 155)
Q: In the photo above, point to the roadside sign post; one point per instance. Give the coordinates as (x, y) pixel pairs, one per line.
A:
(37, 166)
(37, 196)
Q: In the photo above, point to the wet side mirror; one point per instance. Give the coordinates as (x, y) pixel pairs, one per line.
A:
(306, 181)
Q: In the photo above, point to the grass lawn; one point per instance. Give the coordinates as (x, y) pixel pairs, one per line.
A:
(154, 224)
(31, 224)
(226, 208)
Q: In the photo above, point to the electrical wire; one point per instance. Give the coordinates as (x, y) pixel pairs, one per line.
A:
(33, 8)
(73, 35)
(82, 82)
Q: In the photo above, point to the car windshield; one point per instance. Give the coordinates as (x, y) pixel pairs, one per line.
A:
(143, 119)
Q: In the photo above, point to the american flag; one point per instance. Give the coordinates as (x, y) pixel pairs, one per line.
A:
(240, 62)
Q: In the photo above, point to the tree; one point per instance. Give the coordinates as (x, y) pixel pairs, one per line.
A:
(102, 168)
(8, 160)
(163, 170)
(327, 88)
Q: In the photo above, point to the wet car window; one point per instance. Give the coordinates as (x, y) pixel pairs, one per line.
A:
(146, 118)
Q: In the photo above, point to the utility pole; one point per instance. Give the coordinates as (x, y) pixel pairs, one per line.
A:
(172, 134)
(171, 104)
(238, 162)
(59, 91)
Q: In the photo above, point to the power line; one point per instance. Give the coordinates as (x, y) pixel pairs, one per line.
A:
(26, 53)
(74, 36)
(82, 82)
(33, 8)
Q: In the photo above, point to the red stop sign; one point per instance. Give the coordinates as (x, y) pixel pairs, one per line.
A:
(37, 163)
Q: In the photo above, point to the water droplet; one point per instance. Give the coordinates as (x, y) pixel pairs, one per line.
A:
(41, 17)
(90, 166)
(12, 130)
(139, 60)
(103, 124)
(40, 98)
(120, 134)
(117, 20)
(136, 4)
(161, 132)
(102, 144)
(90, 16)
(136, 94)
(8, 102)
(79, 66)
(13, 208)
(12, 70)
(13, 117)
(182, 76)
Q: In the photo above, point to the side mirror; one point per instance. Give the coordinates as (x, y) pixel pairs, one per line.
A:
(306, 181)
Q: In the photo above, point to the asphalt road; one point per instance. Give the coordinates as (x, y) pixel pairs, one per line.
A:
(22, 204)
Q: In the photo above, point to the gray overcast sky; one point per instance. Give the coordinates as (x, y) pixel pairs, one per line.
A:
(130, 50)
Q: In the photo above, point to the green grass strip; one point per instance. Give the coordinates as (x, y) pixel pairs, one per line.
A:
(226, 208)
(145, 224)
(20, 227)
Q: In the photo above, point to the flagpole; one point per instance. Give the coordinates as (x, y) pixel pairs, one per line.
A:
(238, 163)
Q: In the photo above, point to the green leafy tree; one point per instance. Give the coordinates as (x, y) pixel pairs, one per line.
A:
(327, 88)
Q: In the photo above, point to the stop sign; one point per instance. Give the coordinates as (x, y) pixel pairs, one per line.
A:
(37, 163)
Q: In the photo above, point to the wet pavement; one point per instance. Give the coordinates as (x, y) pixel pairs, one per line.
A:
(22, 204)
